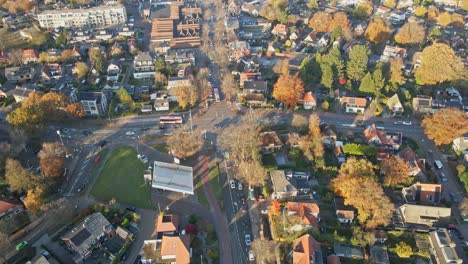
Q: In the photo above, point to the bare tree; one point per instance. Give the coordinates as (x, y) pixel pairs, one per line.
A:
(184, 144)
(52, 159)
(19, 139)
(299, 122)
(229, 86)
(264, 251)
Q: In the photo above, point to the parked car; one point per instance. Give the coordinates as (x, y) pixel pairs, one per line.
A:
(132, 208)
(407, 123)
(130, 133)
(21, 245)
(233, 184)
(444, 178)
(398, 123)
(247, 240)
(239, 186)
(251, 256)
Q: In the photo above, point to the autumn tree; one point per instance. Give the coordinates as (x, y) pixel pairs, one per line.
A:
(288, 89)
(367, 84)
(395, 170)
(445, 125)
(185, 144)
(17, 177)
(264, 251)
(340, 21)
(377, 31)
(410, 33)
(52, 159)
(403, 250)
(320, 21)
(396, 75)
(363, 10)
(34, 200)
(357, 184)
(299, 123)
(229, 86)
(241, 141)
(275, 207)
(54, 105)
(458, 20)
(432, 12)
(463, 207)
(312, 4)
(390, 3)
(281, 67)
(67, 55)
(420, 11)
(439, 64)
(362, 237)
(357, 65)
(76, 110)
(311, 144)
(125, 98)
(96, 57)
(444, 19)
(81, 69)
(187, 95)
(28, 118)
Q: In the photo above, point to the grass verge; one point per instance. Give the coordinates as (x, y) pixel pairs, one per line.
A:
(216, 185)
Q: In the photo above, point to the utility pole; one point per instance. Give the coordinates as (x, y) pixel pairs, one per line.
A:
(63, 145)
(191, 122)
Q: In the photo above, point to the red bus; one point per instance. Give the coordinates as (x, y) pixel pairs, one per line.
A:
(216, 94)
(173, 119)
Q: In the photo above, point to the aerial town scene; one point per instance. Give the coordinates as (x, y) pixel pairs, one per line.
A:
(234, 131)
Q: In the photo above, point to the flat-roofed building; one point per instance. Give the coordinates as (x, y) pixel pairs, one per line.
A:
(172, 177)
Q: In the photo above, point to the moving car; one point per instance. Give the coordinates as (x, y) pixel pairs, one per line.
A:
(233, 184)
(251, 256)
(444, 178)
(407, 123)
(398, 123)
(247, 240)
(239, 186)
(21, 245)
(130, 133)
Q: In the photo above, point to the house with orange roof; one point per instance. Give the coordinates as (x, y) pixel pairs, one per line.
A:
(167, 224)
(176, 249)
(379, 137)
(423, 193)
(306, 250)
(29, 55)
(309, 101)
(280, 30)
(303, 215)
(409, 156)
(344, 213)
(355, 105)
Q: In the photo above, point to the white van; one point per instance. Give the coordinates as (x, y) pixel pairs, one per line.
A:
(438, 164)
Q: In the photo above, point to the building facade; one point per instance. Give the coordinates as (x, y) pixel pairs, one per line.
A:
(95, 17)
(94, 103)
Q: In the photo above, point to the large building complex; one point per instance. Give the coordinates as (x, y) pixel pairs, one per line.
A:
(95, 17)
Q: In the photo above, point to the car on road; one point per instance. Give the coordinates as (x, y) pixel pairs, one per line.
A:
(407, 123)
(102, 143)
(444, 178)
(45, 253)
(131, 209)
(233, 184)
(130, 133)
(81, 188)
(21, 245)
(454, 197)
(398, 123)
(248, 241)
(239, 186)
(251, 256)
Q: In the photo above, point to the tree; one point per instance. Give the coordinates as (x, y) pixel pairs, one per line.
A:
(444, 19)
(395, 170)
(403, 250)
(367, 85)
(18, 138)
(377, 31)
(439, 64)
(410, 33)
(340, 20)
(54, 105)
(96, 57)
(357, 65)
(275, 207)
(327, 75)
(62, 38)
(264, 251)
(420, 11)
(432, 12)
(325, 105)
(185, 144)
(299, 123)
(361, 237)
(229, 86)
(28, 118)
(445, 125)
(125, 98)
(356, 183)
(67, 55)
(187, 95)
(390, 3)
(81, 70)
(458, 20)
(463, 206)
(34, 200)
(363, 10)
(312, 4)
(289, 89)
(18, 178)
(281, 67)
(4, 244)
(311, 144)
(76, 110)
(52, 159)
(396, 76)
(320, 21)
(464, 5)
(379, 80)
(44, 57)
(15, 57)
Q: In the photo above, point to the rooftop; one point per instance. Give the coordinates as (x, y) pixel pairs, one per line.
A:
(173, 177)
(176, 247)
(167, 223)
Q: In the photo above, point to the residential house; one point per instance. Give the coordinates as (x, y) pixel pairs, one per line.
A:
(51, 72)
(306, 250)
(280, 31)
(126, 31)
(339, 152)
(255, 86)
(424, 215)
(309, 101)
(443, 247)
(76, 54)
(460, 144)
(394, 106)
(422, 104)
(354, 105)
(344, 213)
(379, 255)
(286, 185)
(143, 66)
(409, 157)
(103, 35)
(379, 137)
(348, 251)
(173, 82)
(29, 55)
(16, 74)
(393, 52)
(249, 76)
(167, 224)
(255, 99)
(328, 135)
(84, 237)
(176, 249)
(113, 72)
(94, 103)
(423, 193)
(453, 3)
(270, 142)
(295, 61)
(249, 9)
(231, 23)
(239, 49)
(380, 236)
(233, 9)
(9, 207)
(20, 93)
(161, 101)
(303, 215)
(179, 57)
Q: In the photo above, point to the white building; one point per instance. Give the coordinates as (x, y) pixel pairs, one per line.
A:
(143, 66)
(172, 177)
(95, 17)
(94, 103)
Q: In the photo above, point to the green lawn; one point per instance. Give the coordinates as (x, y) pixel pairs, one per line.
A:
(216, 185)
(122, 179)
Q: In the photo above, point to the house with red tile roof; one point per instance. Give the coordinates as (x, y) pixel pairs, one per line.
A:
(302, 215)
(309, 101)
(176, 248)
(423, 193)
(280, 30)
(379, 137)
(409, 156)
(167, 224)
(29, 55)
(356, 105)
(306, 250)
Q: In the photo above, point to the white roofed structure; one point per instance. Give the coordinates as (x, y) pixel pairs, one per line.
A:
(172, 177)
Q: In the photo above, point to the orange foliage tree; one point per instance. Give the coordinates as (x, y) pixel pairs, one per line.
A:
(288, 89)
(445, 125)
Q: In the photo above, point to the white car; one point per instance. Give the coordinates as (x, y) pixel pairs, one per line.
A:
(407, 123)
(239, 186)
(247, 240)
(130, 133)
(251, 256)
(398, 123)
(233, 184)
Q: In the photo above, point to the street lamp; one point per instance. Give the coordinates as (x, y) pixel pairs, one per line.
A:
(63, 145)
